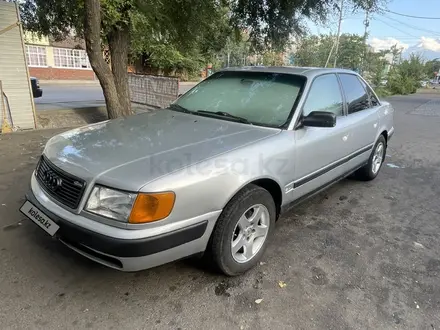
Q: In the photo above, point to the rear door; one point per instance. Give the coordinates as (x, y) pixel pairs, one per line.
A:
(362, 116)
(320, 151)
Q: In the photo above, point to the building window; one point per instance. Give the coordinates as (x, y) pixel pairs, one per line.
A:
(71, 58)
(36, 56)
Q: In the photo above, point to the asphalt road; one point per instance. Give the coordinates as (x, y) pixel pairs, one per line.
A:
(358, 256)
(61, 96)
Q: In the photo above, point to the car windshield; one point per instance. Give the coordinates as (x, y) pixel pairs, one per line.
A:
(260, 98)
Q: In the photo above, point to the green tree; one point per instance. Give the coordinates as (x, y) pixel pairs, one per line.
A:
(405, 77)
(351, 50)
(167, 54)
(318, 50)
(270, 23)
(271, 58)
(164, 30)
(431, 67)
(375, 67)
(396, 54)
(235, 52)
(313, 50)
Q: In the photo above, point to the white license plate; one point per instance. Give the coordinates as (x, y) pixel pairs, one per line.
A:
(42, 220)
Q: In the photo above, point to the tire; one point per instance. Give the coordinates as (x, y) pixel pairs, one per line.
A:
(250, 203)
(372, 169)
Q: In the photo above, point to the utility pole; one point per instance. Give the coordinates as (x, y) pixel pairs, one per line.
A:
(228, 50)
(366, 24)
(329, 55)
(339, 32)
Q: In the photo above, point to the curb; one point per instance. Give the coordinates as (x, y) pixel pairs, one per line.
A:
(188, 83)
(70, 117)
(64, 118)
(69, 82)
(435, 91)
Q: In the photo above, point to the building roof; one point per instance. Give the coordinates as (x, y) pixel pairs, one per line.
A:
(68, 42)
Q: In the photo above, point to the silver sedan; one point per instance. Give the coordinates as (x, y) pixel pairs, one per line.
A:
(211, 174)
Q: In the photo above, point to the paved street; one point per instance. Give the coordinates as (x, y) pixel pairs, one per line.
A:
(62, 96)
(358, 256)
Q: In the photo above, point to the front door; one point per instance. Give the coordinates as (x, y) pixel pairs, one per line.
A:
(363, 117)
(319, 152)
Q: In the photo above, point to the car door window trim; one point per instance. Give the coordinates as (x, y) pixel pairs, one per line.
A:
(370, 92)
(311, 176)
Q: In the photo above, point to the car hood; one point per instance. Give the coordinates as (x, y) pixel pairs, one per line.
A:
(127, 153)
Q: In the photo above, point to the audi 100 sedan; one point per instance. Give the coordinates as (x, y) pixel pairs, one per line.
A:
(211, 174)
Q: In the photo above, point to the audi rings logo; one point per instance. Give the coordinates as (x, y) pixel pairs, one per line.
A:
(53, 181)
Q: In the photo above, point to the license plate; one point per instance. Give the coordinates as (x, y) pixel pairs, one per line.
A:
(42, 220)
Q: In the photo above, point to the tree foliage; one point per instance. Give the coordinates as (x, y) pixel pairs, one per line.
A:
(188, 36)
(315, 51)
(431, 67)
(402, 77)
(271, 23)
(171, 34)
(405, 77)
(375, 67)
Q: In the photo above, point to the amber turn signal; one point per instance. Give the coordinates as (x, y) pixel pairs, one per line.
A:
(152, 207)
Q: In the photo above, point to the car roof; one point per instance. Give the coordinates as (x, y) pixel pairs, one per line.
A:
(303, 71)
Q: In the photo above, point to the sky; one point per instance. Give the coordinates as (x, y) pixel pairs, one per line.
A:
(387, 29)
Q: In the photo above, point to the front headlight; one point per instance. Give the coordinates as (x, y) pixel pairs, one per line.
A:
(130, 207)
(111, 203)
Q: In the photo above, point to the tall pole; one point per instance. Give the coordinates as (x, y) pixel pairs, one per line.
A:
(329, 55)
(366, 24)
(339, 32)
(228, 44)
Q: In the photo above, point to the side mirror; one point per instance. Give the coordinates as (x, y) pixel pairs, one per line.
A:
(319, 119)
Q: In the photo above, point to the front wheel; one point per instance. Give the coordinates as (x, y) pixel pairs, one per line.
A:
(377, 157)
(240, 236)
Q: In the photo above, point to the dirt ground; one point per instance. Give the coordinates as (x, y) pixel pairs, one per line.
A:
(358, 256)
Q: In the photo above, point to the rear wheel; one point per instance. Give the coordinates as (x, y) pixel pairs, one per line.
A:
(377, 157)
(241, 234)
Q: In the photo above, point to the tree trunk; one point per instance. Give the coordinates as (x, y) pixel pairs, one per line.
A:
(92, 36)
(118, 42)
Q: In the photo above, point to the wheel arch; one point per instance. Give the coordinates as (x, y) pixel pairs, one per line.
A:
(271, 185)
(385, 135)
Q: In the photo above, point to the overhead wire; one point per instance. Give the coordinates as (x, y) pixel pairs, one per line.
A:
(396, 28)
(412, 26)
(411, 16)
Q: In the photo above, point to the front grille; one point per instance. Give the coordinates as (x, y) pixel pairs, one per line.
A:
(62, 186)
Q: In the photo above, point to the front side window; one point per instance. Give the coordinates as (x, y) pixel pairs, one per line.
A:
(356, 96)
(324, 95)
(260, 98)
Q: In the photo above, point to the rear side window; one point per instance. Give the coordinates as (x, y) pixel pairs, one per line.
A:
(324, 95)
(355, 93)
(373, 99)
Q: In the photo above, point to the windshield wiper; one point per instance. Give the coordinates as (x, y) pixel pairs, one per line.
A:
(225, 114)
(177, 107)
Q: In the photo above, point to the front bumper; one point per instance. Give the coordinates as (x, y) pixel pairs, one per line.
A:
(391, 133)
(131, 254)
